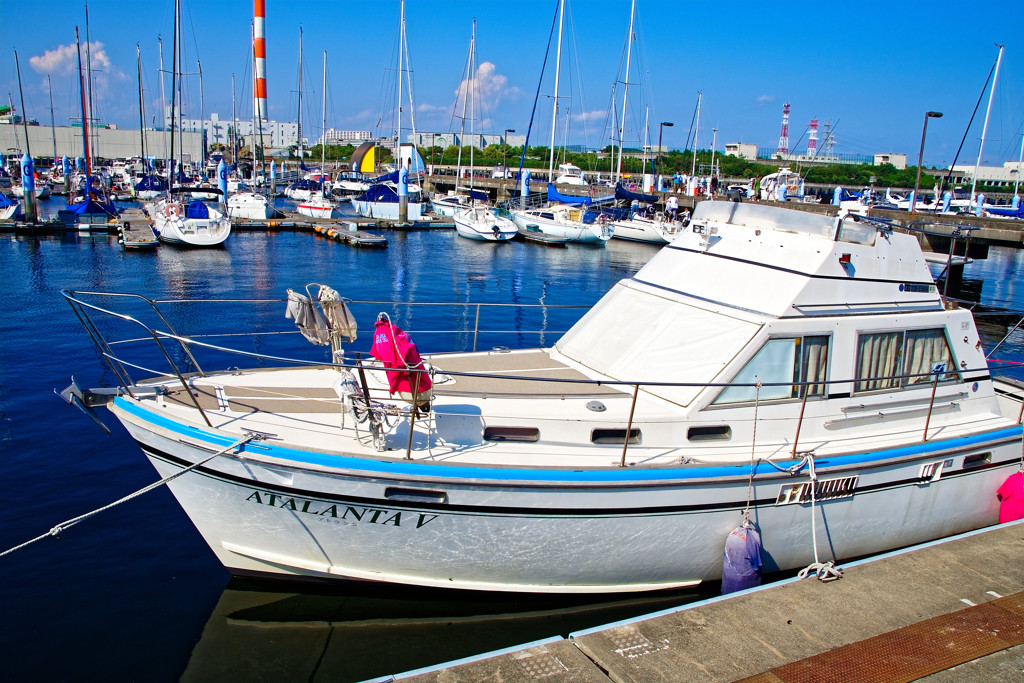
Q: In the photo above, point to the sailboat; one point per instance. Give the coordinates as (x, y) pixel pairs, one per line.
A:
(383, 199)
(479, 222)
(89, 206)
(561, 219)
(194, 223)
(318, 205)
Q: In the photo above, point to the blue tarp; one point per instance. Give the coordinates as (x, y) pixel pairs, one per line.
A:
(623, 193)
(197, 209)
(554, 196)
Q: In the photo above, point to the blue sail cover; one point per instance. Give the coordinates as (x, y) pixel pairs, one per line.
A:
(1007, 212)
(623, 193)
(555, 196)
(197, 209)
(5, 202)
(305, 184)
(379, 193)
(151, 183)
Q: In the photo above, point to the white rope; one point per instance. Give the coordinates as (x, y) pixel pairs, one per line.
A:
(826, 571)
(55, 531)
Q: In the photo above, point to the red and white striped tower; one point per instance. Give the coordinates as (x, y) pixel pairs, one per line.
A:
(784, 135)
(812, 140)
(259, 40)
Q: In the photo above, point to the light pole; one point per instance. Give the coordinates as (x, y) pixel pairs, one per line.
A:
(504, 152)
(661, 127)
(920, 155)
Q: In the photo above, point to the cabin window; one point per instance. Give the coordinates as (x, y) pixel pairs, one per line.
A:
(528, 434)
(890, 360)
(787, 368)
(614, 436)
(546, 214)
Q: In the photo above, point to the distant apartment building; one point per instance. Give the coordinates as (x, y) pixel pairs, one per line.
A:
(897, 160)
(1008, 175)
(338, 138)
(218, 131)
(743, 150)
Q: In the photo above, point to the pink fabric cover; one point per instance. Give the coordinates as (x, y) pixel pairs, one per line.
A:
(392, 347)
(1011, 498)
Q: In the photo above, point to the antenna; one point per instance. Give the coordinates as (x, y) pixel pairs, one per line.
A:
(812, 140)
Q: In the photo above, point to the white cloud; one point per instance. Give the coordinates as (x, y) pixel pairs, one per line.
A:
(764, 99)
(591, 116)
(63, 60)
(488, 85)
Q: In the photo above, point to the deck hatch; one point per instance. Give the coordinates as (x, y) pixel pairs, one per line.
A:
(826, 489)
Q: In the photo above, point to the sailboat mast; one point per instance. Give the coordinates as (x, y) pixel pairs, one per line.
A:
(323, 124)
(625, 87)
(1020, 160)
(401, 48)
(299, 129)
(163, 101)
(693, 166)
(984, 129)
(171, 173)
(142, 109)
(88, 62)
(85, 124)
(53, 126)
(472, 108)
(465, 105)
(202, 125)
(234, 124)
(554, 111)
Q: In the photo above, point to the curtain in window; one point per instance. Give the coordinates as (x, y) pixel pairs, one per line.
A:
(878, 360)
(814, 364)
(926, 348)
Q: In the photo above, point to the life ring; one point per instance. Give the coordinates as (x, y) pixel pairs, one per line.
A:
(172, 210)
(632, 186)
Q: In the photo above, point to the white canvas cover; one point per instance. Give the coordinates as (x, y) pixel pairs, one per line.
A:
(636, 335)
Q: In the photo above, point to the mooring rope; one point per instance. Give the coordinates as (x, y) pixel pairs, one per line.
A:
(825, 571)
(753, 459)
(55, 531)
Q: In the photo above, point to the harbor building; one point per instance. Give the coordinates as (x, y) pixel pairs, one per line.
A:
(107, 142)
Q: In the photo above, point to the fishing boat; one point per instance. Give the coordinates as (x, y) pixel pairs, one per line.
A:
(792, 371)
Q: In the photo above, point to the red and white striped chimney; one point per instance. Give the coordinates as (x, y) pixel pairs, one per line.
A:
(259, 40)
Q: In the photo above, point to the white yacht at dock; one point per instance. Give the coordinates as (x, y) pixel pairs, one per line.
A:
(788, 369)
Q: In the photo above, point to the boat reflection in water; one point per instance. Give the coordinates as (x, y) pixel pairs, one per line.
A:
(355, 632)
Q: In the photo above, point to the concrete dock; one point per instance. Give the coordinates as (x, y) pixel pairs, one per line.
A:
(951, 610)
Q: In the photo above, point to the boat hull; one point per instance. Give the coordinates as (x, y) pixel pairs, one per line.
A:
(386, 210)
(537, 530)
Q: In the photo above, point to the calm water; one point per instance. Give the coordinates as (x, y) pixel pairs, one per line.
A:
(134, 593)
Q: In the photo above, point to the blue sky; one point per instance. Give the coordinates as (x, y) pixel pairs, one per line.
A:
(872, 68)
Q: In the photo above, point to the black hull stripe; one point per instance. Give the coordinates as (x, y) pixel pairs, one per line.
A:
(291, 492)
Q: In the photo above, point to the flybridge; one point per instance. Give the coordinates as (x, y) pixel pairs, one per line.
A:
(776, 262)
